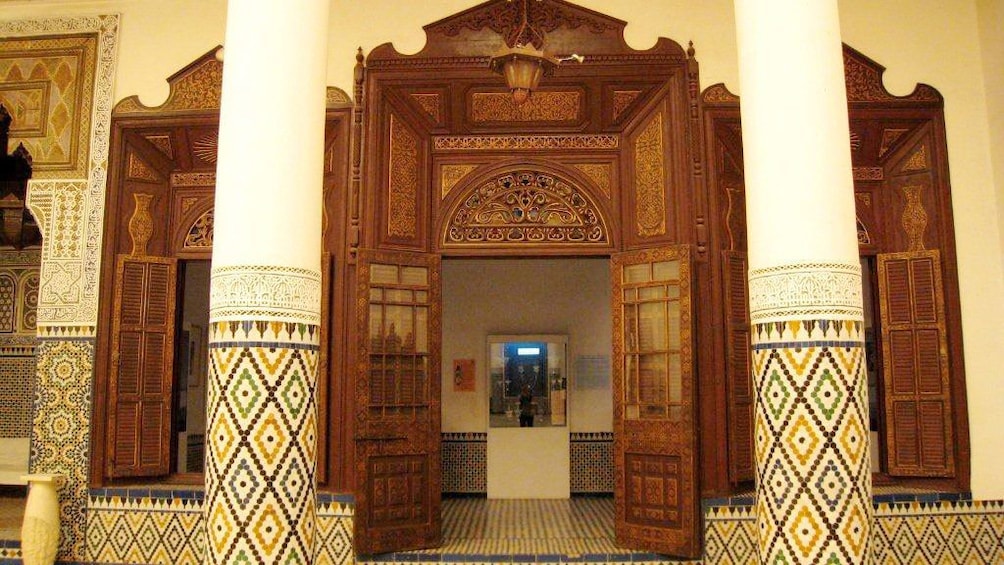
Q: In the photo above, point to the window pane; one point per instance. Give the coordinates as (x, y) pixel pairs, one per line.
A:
(651, 292)
(415, 276)
(398, 295)
(421, 330)
(652, 326)
(376, 295)
(652, 379)
(383, 274)
(675, 377)
(666, 270)
(421, 297)
(636, 273)
(376, 327)
(673, 325)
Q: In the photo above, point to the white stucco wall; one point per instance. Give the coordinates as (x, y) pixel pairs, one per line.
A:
(939, 42)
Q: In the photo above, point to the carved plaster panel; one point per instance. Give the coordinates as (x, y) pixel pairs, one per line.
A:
(71, 212)
(46, 83)
(806, 291)
(248, 292)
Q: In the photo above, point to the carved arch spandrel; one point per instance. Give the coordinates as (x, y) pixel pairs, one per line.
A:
(520, 205)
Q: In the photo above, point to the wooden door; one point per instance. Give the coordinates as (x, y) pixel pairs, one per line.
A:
(397, 402)
(654, 418)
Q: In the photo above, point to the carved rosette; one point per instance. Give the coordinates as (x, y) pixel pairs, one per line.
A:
(141, 224)
(526, 207)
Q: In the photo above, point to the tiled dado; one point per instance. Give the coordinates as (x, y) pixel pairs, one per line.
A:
(464, 462)
(164, 526)
(931, 528)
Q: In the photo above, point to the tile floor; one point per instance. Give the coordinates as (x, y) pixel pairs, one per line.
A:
(481, 530)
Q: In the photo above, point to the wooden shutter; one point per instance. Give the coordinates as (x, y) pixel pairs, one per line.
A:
(918, 406)
(142, 369)
(739, 378)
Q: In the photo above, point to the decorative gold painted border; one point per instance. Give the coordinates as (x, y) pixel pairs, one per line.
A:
(248, 292)
(524, 142)
(806, 291)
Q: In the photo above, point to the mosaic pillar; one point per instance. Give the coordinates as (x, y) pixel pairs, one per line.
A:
(265, 286)
(813, 498)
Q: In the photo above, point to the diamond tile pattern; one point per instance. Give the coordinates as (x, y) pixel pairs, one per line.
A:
(814, 504)
(260, 500)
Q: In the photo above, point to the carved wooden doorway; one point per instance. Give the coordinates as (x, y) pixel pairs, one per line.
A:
(449, 165)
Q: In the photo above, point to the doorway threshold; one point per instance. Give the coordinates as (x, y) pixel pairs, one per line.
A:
(478, 530)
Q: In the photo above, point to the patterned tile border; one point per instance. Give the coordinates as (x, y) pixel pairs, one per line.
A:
(166, 526)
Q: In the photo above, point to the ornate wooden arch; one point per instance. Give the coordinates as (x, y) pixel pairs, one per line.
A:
(522, 203)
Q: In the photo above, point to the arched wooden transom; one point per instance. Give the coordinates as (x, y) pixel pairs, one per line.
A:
(524, 206)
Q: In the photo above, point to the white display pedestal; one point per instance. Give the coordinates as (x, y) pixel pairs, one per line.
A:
(528, 462)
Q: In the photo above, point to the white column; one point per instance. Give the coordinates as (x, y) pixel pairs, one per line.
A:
(813, 500)
(265, 286)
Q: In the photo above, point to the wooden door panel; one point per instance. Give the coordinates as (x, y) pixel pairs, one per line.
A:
(397, 402)
(656, 493)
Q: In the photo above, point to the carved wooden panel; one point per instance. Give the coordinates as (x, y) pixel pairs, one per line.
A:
(398, 490)
(402, 190)
(545, 106)
(524, 207)
(650, 179)
(653, 496)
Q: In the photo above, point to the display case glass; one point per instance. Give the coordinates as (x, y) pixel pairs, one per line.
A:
(527, 381)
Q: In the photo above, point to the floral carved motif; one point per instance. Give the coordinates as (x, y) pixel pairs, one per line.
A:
(500, 18)
(517, 142)
(451, 175)
(889, 137)
(719, 94)
(429, 104)
(917, 161)
(402, 212)
(623, 99)
(868, 173)
(141, 224)
(197, 89)
(200, 235)
(526, 207)
(864, 238)
(864, 83)
(162, 143)
(914, 218)
(193, 179)
(650, 179)
(541, 107)
(139, 170)
(598, 173)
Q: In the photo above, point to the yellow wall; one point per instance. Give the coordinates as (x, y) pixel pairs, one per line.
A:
(937, 42)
